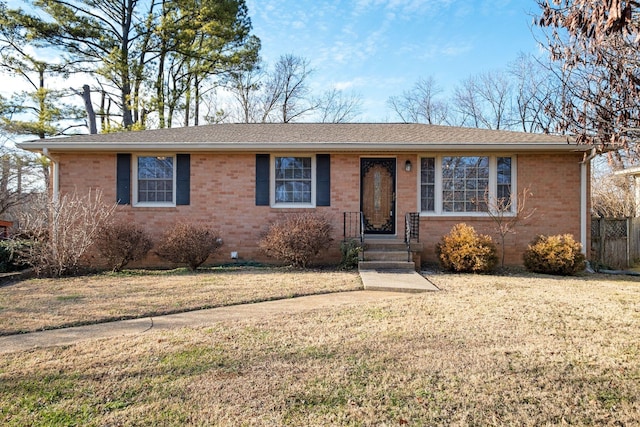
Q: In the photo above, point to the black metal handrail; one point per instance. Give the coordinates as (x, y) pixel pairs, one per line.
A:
(411, 230)
(352, 225)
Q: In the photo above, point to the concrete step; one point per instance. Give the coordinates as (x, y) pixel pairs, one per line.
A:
(373, 245)
(385, 255)
(386, 265)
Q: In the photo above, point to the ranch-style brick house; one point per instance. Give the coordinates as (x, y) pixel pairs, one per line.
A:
(240, 177)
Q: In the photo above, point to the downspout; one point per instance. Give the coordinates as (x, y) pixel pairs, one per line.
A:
(584, 197)
(55, 175)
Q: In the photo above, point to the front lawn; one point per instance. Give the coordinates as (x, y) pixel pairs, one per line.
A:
(38, 304)
(486, 350)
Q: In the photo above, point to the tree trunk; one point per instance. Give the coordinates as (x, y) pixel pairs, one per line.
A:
(88, 106)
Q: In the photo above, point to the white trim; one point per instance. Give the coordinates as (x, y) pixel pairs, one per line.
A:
(493, 184)
(272, 182)
(134, 184)
(584, 197)
(326, 146)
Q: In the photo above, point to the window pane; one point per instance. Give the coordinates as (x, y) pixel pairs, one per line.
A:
(293, 179)
(428, 183)
(155, 179)
(504, 183)
(465, 183)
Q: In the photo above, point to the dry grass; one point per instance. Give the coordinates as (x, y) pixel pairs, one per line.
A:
(37, 304)
(487, 350)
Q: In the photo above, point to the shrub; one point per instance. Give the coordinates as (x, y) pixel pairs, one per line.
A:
(63, 232)
(9, 254)
(559, 254)
(463, 250)
(297, 239)
(189, 244)
(122, 242)
(350, 250)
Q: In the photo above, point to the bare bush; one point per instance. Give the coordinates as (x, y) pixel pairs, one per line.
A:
(297, 238)
(189, 244)
(63, 233)
(122, 242)
(612, 196)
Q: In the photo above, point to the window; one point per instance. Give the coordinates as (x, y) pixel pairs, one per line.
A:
(155, 180)
(293, 180)
(464, 184)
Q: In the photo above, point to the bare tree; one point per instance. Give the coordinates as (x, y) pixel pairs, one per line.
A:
(287, 95)
(484, 101)
(507, 213)
(336, 107)
(244, 86)
(22, 177)
(596, 43)
(537, 92)
(421, 104)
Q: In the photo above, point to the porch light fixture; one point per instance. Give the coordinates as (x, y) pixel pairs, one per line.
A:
(407, 165)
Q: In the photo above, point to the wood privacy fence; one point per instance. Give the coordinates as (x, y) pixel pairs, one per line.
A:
(615, 242)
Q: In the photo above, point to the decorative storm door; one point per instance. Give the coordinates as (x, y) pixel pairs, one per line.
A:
(378, 195)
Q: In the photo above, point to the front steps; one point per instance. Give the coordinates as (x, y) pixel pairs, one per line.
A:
(381, 254)
(386, 267)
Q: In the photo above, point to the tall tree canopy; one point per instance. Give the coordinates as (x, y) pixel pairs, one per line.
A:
(596, 42)
(148, 55)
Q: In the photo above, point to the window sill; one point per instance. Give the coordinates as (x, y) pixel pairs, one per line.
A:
(154, 205)
(454, 215)
(293, 206)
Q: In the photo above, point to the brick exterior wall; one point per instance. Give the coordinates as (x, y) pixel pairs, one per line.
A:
(223, 195)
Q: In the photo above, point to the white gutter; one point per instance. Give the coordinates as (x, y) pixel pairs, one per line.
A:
(55, 173)
(59, 146)
(584, 197)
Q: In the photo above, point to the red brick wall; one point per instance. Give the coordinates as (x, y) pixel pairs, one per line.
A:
(553, 180)
(223, 195)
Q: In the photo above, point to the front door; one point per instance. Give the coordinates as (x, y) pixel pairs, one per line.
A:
(378, 195)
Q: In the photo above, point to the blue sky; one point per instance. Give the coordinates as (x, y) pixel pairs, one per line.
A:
(379, 48)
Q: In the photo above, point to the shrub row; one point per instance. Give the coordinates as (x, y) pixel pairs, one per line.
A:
(464, 250)
(185, 243)
(296, 239)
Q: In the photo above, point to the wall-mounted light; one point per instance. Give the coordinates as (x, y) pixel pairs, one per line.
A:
(407, 165)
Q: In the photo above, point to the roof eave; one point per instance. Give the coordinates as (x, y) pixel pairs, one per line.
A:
(60, 146)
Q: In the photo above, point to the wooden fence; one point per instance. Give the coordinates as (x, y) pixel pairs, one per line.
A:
(615, 242)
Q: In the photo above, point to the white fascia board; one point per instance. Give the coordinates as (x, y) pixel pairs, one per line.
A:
(61, 146)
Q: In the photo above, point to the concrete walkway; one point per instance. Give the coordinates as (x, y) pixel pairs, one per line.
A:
(68, 336)
(396, 281)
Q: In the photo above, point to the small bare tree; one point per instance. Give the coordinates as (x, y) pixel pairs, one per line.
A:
(506, 215)
(64, 232)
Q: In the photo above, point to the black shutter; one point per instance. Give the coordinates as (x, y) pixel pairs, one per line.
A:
(262, 179)
(123, 179)
(183, 179)
(323, 180)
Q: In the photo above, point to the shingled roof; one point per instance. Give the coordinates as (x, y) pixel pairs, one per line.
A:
(343, 136)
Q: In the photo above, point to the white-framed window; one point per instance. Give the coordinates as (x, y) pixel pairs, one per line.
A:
(293, 181)
(154, 181)
(466, 184)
